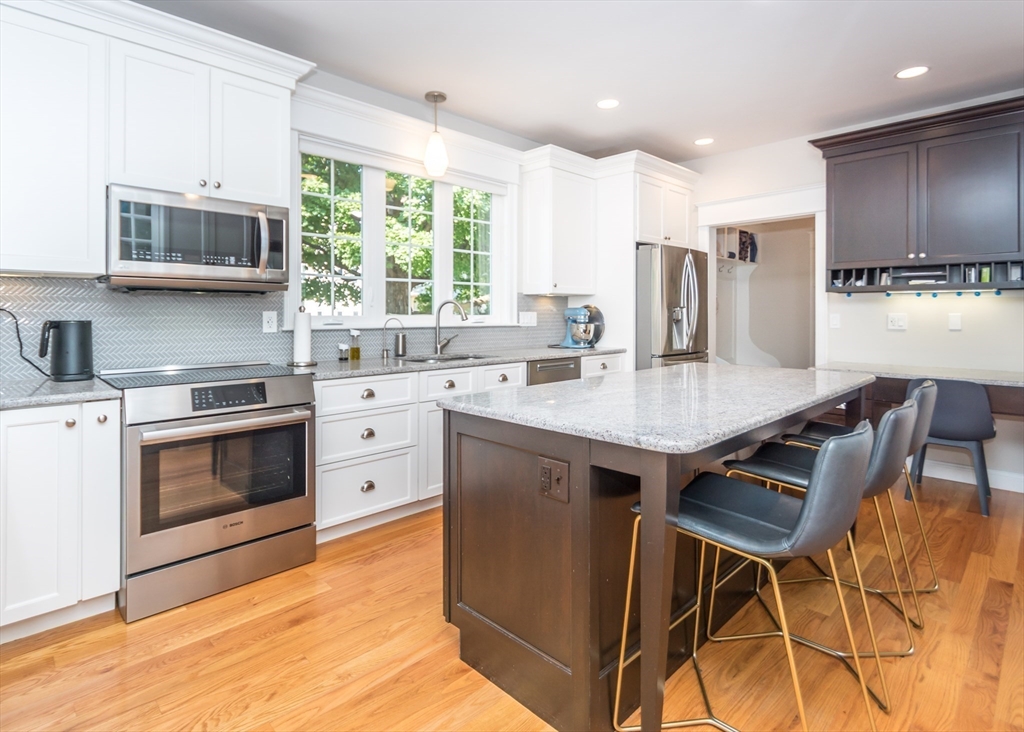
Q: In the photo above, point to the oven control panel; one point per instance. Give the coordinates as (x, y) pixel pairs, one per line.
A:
(228, 395)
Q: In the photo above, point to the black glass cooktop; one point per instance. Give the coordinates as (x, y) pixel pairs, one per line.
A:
(194, 376)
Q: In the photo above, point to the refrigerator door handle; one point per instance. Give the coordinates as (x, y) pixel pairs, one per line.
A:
(693, 305)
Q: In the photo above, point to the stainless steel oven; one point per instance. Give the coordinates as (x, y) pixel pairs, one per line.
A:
(182, 241)
(218, 484)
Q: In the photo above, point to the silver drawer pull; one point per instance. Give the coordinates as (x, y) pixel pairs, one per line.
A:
(502, 379)
(449, 384)
(367, 394)
(70, 423)
(367, 486)
(604, 366)
(368, 433)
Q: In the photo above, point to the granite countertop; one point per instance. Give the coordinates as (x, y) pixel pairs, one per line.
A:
(38, 392)
(981, 376)
(377, 367)
(678, 409)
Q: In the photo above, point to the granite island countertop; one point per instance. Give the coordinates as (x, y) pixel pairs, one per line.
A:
(677, 409)
(39, 392)
(325, 370)
(890, 371)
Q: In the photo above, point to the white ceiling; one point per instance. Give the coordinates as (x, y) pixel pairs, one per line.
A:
(744, 73)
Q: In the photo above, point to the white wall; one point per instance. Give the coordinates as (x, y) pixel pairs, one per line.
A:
(782, 294)
(993, 327)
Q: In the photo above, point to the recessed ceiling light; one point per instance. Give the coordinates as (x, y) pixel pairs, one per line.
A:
(608, 103)
(704, 141)
(912, 72)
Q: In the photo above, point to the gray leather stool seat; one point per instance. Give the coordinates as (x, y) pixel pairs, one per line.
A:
(815, 433)
(762, 525)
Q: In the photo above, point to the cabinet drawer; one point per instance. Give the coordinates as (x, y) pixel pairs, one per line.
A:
(504, 376)
(349, 395)
(436, 385)
(357, 488)
(347, 436)
(600, 365)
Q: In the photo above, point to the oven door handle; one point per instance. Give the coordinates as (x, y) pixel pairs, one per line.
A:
(157, 436)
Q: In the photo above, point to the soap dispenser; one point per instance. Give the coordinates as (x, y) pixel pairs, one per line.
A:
(353, 345)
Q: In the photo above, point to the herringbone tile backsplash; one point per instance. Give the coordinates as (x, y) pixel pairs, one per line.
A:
(149, 328)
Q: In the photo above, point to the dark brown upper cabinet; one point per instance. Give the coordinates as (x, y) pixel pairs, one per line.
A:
(942, 189)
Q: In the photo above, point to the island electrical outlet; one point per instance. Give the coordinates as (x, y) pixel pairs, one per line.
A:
(554, 479)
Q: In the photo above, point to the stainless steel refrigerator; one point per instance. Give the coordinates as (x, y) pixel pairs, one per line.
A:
(671, 305)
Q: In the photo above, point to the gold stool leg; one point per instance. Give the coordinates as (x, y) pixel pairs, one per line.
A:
(906, 562)
(924, 535)
(786, 640)
(625, 627)
(853, 642)
(896, 580)
(867, 617)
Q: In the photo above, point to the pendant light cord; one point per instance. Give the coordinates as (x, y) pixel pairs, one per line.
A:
(21, 347)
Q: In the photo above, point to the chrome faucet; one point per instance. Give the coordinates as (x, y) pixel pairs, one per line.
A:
(438, 343)
(387, 351)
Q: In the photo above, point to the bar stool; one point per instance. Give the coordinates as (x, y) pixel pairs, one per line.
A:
(963, 418)
(924, 394)
(762, 525)
(792, 467)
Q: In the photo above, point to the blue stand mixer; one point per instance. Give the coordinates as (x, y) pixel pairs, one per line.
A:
(584, 327)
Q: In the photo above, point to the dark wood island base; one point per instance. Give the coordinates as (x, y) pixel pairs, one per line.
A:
(537, 531)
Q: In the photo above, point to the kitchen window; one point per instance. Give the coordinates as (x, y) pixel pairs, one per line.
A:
(378, 240)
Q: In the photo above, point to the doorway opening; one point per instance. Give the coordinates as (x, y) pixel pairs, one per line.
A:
(765, 293)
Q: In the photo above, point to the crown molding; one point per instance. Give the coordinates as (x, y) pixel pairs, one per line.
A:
(136, 23)
(637, 161)
(550, 156)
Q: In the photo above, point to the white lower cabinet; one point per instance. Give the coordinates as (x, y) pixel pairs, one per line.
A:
(60, 491)
(351, 489)
(431, 450)
(600, 365)
(345, 436)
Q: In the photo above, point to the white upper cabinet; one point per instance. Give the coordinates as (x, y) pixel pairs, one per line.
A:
(179, 125)
(159, 120)
(250, 139)
(558, 232)
(52, 146)
(662, 211)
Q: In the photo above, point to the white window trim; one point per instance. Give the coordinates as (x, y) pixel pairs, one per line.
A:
(503, 238)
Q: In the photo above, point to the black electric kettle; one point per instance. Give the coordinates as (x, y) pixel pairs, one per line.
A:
(70, 349)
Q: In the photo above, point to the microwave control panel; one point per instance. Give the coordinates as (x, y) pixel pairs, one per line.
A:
(228, 395)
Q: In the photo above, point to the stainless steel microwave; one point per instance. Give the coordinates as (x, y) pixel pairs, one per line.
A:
(181, 241)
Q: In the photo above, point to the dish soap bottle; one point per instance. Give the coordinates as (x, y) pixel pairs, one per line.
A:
(353, 346)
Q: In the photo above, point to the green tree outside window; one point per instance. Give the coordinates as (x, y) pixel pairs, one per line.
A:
(471, 249)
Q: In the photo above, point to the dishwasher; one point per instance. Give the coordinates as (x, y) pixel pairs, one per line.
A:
(552, 370)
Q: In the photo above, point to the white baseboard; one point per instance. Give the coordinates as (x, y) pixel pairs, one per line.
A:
(78, 611)
(368, 522)
(1001, 479)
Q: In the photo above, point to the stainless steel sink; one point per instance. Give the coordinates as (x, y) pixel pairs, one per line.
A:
(445, 357)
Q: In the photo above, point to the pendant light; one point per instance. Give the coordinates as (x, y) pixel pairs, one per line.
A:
(435, 157)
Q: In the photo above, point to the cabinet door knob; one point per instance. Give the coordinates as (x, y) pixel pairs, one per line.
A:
(368, 433)
(367, 394)
(102, 419)
(70, 423)
(502, 379)
(604, 366)
(216, 184)
(449, 384)
(554, 284)
(923, 255)
(202, 182)
(910, 256)
(668, 238)
(367, 486)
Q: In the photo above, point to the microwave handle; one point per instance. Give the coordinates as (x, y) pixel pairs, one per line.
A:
(156, 436)
(264, 242)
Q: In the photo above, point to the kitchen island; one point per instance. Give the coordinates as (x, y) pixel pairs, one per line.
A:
(538, 487)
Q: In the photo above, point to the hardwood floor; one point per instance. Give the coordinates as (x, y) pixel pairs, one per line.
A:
(357, 641)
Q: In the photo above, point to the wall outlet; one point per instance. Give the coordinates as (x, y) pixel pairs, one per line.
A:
(897, 321)
(527, 318)
(269, 321)
(834, 321)
(954, 321)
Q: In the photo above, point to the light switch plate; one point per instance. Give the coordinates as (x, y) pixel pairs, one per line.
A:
(834, 321)
(269, 321)
(527, 318)
(954, 321)
(897, 321)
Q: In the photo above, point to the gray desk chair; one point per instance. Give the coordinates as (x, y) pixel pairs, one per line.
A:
(762, 525)
(963, 418)
(792, 466)
(924, 394)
